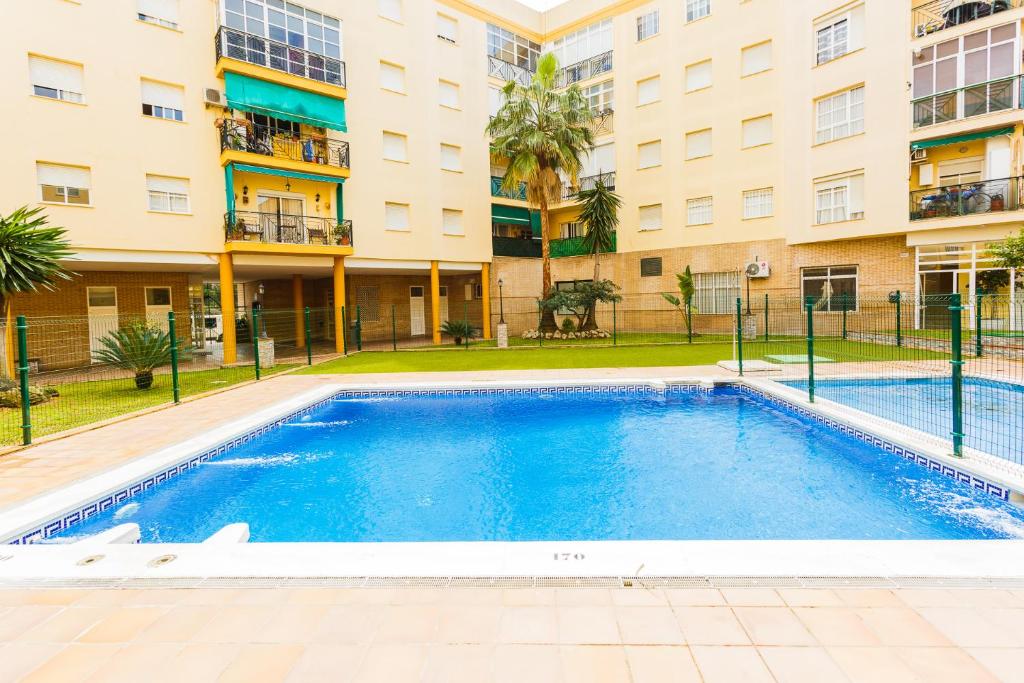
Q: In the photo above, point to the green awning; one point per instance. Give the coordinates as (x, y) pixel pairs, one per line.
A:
(535, 223)
(955, 139)
(281, 102)
(500, 213)
(248, 168)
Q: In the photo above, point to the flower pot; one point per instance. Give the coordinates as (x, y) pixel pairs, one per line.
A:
(144, 380)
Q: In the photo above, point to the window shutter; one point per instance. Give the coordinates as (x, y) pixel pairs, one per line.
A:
(450, 158)
(396, 216)
(51, 73)
(392, 77)
(163, 95)
(496, 100)
(451, 221)
(447, 28)
(756, 58)
(649, 154)
(448, 94)
(650, 217)
(650, 267)
(394, 147)
(648, 90)
(698, 76)
(856, 196)
(158, 183)
(63, 176)
(698, 144)
(757, 131)
(600, 160)
(160, 9)
(392, 9)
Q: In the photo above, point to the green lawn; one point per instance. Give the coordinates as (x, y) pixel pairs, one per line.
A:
(82, 403)
(621, 339)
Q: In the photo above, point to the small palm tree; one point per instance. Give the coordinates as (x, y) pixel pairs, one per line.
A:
(459, 330)
(542, 132)
(30, 255)
(140, 347)
(683, 302)
(600, 218)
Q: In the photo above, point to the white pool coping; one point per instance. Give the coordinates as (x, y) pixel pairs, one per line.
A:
(123, 559)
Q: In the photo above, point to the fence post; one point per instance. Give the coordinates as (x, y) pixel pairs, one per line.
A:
(465, 315)
(810, 348)
(739, 333)
(359, 330)
(175, 389)
(845, 307)
(978, 347)
(615, 325)
(309, 339)
(394, 329)
(344, 333)
(256, 340)
(957, 363)
(540, 319)
(766, 317)
(689, 320)
(899, 319)
(26, 409)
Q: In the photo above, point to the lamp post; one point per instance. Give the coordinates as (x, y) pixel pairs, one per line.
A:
(501, 303)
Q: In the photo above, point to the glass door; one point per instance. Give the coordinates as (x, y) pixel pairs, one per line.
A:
(281, 219)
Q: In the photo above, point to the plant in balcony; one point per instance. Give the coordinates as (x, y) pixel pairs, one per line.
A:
(234, 230)
(140, 347)
(343, 235)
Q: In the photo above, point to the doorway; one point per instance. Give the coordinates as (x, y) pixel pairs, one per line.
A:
(417, 323)
(158, 305)
(443, 305)
(103, 319)
(936, 286)
(281, 218)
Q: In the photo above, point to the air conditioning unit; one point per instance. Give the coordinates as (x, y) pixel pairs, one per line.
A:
(918, 154)
(214, 98)
(758, 269)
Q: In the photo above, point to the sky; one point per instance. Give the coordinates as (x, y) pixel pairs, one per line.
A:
(541, 4)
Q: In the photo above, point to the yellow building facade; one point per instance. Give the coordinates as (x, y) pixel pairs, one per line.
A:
(333, 153)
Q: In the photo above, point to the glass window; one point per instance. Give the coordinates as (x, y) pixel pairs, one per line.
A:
(167, 194)
(160, 12)
(697, 9)
(832, 40)
(716, 293)
(647, 25)
(101, 297)
(158, 296)
(392, 77)
(63, 184)
(163, 101)
(699, 211)
(390, 9)
(512, 48)
(758, 203)
(650, 267)
(295, 27)
(833, 288)
(589, 41)
(56, 79)
(601, 97)
(840, 116)
(570, 230)
(839, 200)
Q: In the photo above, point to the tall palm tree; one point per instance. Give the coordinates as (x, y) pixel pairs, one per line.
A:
(542, 132)
(30, 255)
(600, 218)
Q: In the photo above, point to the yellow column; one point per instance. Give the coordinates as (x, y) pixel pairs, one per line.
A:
(227, 307)
(300, 316)
(339, 301)
(485, 297)
(435, 301)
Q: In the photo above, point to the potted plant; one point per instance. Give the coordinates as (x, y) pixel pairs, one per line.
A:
(998, 203)
(140, 347)
(344, 234)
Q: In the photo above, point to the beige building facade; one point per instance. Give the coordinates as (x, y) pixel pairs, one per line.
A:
(333, 154)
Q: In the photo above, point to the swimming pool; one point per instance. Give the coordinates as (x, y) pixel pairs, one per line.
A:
(993, 411)
(534, 465)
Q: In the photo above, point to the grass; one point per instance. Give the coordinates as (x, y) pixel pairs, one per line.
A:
(82, 403)
(622, 339)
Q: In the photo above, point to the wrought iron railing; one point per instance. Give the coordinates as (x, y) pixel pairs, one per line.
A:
(507, 71)
(986, 196)
(278, 228)
(244, 136)
(589, 183)
(581, 71)
(963, 103)
(516, 246)
(262, 51)
(937, 15)
(497, 191)
(573, 246)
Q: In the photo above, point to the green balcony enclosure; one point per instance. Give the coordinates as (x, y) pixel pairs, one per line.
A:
(573, 246)
(497, 191)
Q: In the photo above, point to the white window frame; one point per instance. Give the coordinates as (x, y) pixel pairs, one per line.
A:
(315, 31)
(166, 201)
(827, 46)
(716, 293)
(829, 277)
(697, 9)
(601, 96)
(758, 203)
(835, 200)
(161, 111)
(65, 190)
(700, 211)
(570, 230)
(58, 93)
(648, 25)
(839, 116)
(156, 20)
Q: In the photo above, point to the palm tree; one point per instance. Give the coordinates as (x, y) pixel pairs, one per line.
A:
(600, 218)
(30, 255)
(542, 132)
(684, 302)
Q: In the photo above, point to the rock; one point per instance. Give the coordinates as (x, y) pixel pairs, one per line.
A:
(12, 397)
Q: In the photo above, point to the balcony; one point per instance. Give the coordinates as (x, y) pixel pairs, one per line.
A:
(581, 71)
(496, 190)
(984, 197)
(246, 137)
(588, 183)
(276, 228)
(604, 122)
(937, 15)
(573, 246)
(246, 47)
(506, 71)
(516, 246)
(963, 103)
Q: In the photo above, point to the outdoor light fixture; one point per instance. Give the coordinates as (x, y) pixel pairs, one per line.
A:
(317, 197)
(287, 186)
(501, 302)
(245, 190)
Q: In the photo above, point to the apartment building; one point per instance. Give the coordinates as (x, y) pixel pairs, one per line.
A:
(333, 153)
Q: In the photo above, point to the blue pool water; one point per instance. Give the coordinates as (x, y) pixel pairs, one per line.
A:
(558, 466)
(993, 411)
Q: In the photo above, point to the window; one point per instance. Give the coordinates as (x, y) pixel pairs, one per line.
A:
(56, 79)
(167, 194)
(650, 267)
(699, 211)
(647, 25)
(160, 12)
(448, 94)
(841, 199)
(451, 222)
(63, 184)
(600, 159)
(756, 58)
(589, 41)
(290, 25)
(757, 131)
(649, 154)
(698, 76)
(648, 91)
(101, 297)
(650, 217)
(758, 203)
(833, 40)
(514, 49)
(833, 288)
(567, 231)
(601, 97)
(495, 98)
(716, 293)
(392, 77)
(840, 116)
(447, 28)
(158, 296)
(451, 157)
(368, 301)
(163, 101)
(396, 216)
(698, 144)
(390, 9)
(697, 9)
(395, 147)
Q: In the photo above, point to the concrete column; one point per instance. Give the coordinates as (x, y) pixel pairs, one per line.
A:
(435, 302)
(485, 282)
(339, 301)
(227, 308)
(297, 304)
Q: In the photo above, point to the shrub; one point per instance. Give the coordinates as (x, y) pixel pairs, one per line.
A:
(459, 329)
(568, 325)
(140, 347)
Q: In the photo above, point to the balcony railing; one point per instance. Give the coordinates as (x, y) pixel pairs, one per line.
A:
(589, 183)
(497, 191)
(581, 71)
(937, 15)
(963, 103)
(516, 246)
(280, 57)
(573, 246)
(604, 122)
(983, 197)
(507, 71)
(243, 136)
(277, 228)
